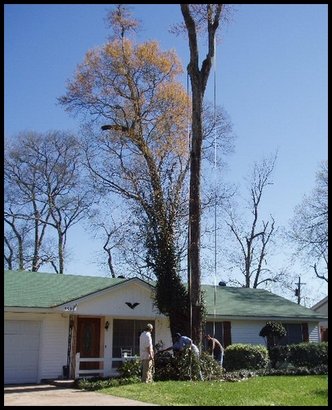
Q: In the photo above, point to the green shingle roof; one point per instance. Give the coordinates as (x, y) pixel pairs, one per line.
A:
(249, 302)
(46, 290)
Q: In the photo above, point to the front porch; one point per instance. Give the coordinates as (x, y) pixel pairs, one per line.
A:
(97, 346)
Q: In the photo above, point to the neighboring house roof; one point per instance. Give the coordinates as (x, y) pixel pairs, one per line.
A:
(47, 290)
(320, 304)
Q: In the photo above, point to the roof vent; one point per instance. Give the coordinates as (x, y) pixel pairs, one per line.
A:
(222, 283)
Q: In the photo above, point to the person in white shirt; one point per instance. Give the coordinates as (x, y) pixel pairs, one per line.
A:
(146, 354)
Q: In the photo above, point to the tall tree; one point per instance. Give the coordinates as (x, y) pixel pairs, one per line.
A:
(309, 226)
(195, 16)
(131, 91)
(255, 237)
(141, 154)
(44, 189)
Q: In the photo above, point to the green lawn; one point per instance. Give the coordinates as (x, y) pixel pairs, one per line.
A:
(256, 391)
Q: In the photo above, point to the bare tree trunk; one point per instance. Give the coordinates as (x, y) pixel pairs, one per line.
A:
(60, 251)
(35, 257)
(20, 247)
(9, 258)
(199, 78)
(195, 217)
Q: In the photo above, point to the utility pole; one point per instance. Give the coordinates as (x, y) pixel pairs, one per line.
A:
(298, 290)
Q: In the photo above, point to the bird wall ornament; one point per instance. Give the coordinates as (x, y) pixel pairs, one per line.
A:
(132, 305)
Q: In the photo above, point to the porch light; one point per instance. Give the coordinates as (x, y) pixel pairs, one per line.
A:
(107, 324)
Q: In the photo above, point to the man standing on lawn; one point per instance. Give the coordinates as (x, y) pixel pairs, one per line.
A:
(146, 354)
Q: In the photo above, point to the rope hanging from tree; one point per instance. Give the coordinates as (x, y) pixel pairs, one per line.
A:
(215, 184)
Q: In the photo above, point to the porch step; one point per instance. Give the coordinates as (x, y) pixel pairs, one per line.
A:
(65, 383)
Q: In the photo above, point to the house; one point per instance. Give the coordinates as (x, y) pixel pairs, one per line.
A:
(322, 307)
(75, 326)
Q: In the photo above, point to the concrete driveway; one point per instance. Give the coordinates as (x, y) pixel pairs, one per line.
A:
(49, 395)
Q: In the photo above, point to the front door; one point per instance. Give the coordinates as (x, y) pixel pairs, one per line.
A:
(88, 341)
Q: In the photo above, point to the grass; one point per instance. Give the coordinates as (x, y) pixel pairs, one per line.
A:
(256, 391)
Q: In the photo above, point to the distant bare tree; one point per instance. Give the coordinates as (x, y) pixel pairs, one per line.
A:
(110, 231)
(43, 190)
(255, 237)
(14, 244)
(309, 226)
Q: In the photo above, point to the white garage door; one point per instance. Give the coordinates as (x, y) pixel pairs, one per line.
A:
(21, 351)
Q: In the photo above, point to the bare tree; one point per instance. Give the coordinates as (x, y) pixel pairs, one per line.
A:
(44, 189)
(23, 211)
(14, 244)
(309, 226)
(196, 16)
(254, 238)
(113, 233)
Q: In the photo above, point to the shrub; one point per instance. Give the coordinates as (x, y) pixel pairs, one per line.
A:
(182, 366)
(278, 355)
(164, 367)
(245, 356)
(273, 331)
(291, 370)
(101, 383)
(309, 354)
(210, 368)
(130, 368)
(300, 355)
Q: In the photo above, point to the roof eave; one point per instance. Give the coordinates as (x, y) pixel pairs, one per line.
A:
(274, 318)
(27, 309)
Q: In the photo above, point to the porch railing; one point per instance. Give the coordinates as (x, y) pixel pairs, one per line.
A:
(79, 360)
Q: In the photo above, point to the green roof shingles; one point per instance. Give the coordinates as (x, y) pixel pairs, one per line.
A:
(45, 290)
(249, 302)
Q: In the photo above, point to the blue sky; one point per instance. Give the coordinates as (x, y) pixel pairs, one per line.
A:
(271, 74)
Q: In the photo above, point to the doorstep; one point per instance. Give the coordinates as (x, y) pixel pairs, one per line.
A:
(65, 383)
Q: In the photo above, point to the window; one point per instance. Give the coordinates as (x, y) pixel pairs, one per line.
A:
(126, 333)
(294, 334)
(214, 331)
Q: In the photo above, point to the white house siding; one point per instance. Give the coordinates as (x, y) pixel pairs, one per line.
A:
(247, 332)
(113, 302)
(314, 335)
(52, 344)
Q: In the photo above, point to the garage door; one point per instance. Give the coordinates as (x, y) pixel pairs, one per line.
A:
(21, 351)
